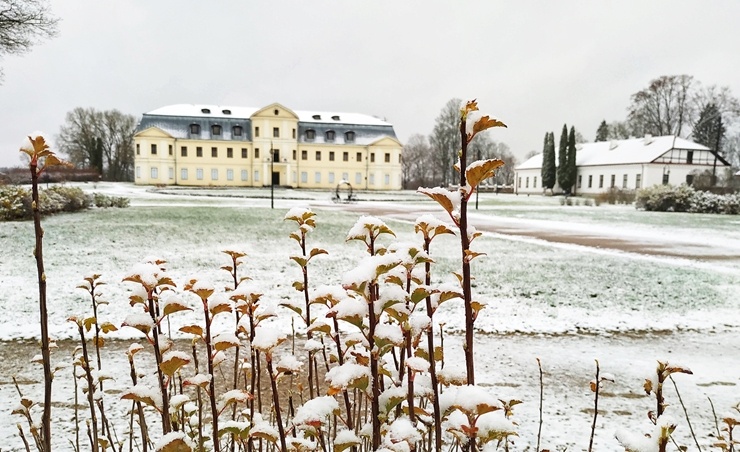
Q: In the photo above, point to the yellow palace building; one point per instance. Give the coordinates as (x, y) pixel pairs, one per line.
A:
(209, 145)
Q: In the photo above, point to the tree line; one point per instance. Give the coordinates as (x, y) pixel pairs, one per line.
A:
(428, 160)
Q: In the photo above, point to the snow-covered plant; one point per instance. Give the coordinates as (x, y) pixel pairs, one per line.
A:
(596, 384)
(726, 440)
(41, 158)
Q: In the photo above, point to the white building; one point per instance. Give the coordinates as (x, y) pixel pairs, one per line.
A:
(628, 164)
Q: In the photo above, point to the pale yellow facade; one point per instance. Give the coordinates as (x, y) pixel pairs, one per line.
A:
(308, 152)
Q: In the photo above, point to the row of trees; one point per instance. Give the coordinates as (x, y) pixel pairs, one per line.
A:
(564, 174)
(101, 140)
(681, 105)
(428, 161)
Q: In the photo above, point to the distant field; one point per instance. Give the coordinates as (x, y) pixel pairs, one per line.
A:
(529, 287)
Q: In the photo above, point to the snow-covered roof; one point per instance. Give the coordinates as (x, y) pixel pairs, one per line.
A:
(225, 111)
(622, 152)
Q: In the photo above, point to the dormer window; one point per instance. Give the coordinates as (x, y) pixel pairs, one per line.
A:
(226, 112)
(349, 137)
(310, 134)
(330, 135)
(316, 117)
(237, 131)
(335, 117)
(215, 129)
(195, 129)
(206, 111)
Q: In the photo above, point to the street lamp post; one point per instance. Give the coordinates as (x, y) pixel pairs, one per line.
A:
(272, 178)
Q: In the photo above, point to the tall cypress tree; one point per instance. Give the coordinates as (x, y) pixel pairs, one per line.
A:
(563, 172)
(571, 164)
(548, 162)
(602, 133)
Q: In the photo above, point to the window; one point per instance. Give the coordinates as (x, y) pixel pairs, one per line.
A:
(580, 181)
(331, 178)
(294, 134)
(194, 129)
(613, 181)
(304, 177)
(318, 156)
(310, 134)
(205, 110)
(237, 131)
(590, 181)
(171, 173)
(359, 156)
(601, 181)
(214, 174)
(257, 132)
(330, 135)
(690, 157)
(526, 183)
(519, 182)
(345, 177)
(372, 157)
(316, 117)
(349, 137)
(534, 184)
(276, 111)
(245, 154)
(184, 174)
(358, 178)
(638, 180)
(276, 155)
(154, 149)
(624, 181)
(138, 172)
(294, 154)
(214, 152)
(387, 157)
(372, 179)
(169, 150)
(331, 156)
(215, 129)
(345, 156)
(304, 155)
(387, 179)
(245, 175)
(199, 151)
(226, 112)
(257, 153)
(229, 174)
(276, 132)
(256, 175)
(199, 173)
(666, 177)
(138, 150)
(183, 151)
(230, 153)
(154, 172)
(317, 177)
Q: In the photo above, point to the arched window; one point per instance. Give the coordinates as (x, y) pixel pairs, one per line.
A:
(330, 135)
(349, 137)
(195, 129)
(310, 134)
(237, 131)
(215, 129)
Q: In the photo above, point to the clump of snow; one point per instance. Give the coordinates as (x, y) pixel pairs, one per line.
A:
(197, 380)
(403, 430)
(389, 332)
(346, 437)
(369, 269)
(144, 392)
(267, 337)
(289, 363)
(171, 438)
(147, 272)
(316, 410)
(417, 364)
(176, 401)
(365, 226)
(350, 307)
(467, 398)
(419, 322)
(342, 376)
(312, 345)
(225, 338)
(140, 321)
(296, 212)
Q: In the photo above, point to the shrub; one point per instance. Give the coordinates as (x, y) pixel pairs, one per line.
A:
(15, 203)
(666, 198)
(104, 201)
(616, 196)
(60, 198)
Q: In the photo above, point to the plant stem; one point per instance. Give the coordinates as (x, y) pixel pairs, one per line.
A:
(465, 246)
(166, 425)
(43, 314)
(90, 388)
(432, 360)
(686, 413)
(375, 378)
(596, 408)
(542, 390)
(276, 401)
(212, 383)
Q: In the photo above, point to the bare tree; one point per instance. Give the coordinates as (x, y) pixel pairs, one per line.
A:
(664, 107)
(103, 140)
(22, 24)
(417, 164)
(445, 140)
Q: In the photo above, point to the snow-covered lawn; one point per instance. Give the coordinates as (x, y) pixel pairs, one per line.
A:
(571, 304)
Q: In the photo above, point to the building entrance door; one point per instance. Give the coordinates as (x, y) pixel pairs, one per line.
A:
(276, 178)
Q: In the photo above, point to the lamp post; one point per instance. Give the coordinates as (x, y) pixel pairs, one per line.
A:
(272, 178)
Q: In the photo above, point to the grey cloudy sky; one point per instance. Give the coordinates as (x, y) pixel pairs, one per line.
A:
(533, 64)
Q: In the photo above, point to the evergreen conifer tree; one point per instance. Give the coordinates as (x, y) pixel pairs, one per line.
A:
(548, 162)
(563, 171)
(602, 133)
(571, 164)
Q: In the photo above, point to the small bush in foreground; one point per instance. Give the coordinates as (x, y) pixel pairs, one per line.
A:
(15, 202)
(616, 196)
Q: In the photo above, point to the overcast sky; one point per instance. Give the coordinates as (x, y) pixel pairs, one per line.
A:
(533, 64)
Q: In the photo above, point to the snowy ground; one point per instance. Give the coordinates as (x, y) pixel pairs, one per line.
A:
(575, 283)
